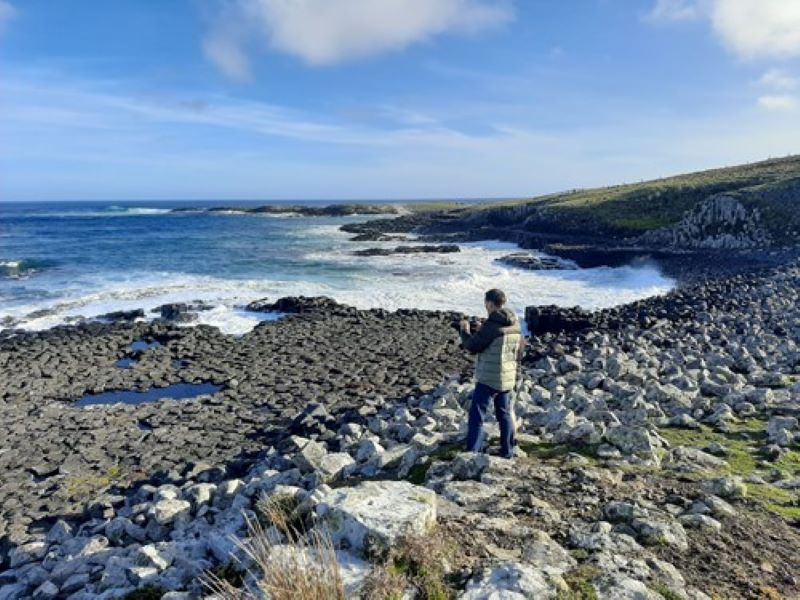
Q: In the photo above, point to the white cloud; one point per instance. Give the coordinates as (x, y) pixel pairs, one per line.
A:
(778, 79)
(751, 29)
(226, 52)
(7, 12)
(777, 103)
(675, 10)
(758, 28)
(326, 32)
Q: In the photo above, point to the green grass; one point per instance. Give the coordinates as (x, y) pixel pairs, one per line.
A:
(743, 444)
(146, 593)
(83, 487)
(550, 451)
(419, 471)
(420, 562)
(423, 207)
(634, 208)
(665, 591)
(579, 583)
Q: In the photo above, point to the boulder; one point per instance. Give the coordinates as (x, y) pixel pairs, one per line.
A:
(726, 487)
(125, 316)
(531, 262)
(621, 587)
(12, 591)
(633, 441)
(556, 319)
(661, 532)
(46, 591)
(781, 430)
(425, 249)
(309, 455)
(335, 464)
(177, 312)
(26, 553)
(697, 521)
(374, 514)
(60, 532)
(509, 581)
(165, 512)
(545, 553)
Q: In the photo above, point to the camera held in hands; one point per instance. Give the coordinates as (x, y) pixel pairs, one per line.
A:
(474, 323)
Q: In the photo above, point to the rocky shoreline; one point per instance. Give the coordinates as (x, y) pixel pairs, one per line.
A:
(687, 265)
(662, 441)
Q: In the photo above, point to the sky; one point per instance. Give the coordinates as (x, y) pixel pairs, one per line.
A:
(386, 99)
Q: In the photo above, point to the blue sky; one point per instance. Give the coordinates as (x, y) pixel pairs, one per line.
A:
(338, 99)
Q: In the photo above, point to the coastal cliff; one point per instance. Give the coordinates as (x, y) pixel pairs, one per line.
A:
(751, 208)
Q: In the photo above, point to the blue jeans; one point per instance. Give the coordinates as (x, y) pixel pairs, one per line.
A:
(477, 415)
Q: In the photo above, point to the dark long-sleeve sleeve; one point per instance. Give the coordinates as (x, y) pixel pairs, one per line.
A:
(480, 340)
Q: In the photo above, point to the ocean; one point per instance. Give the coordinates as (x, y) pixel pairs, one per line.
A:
(59, 261)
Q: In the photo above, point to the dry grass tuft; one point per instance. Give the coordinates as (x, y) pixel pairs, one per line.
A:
(304, 569)
(419, 562)
(280, 511)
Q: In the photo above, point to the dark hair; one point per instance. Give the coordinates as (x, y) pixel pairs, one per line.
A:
(496, 297)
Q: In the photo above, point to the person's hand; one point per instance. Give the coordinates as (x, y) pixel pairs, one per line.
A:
(465, 327)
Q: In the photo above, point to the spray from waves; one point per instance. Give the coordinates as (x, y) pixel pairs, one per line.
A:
(22, 269)
(109, 211)
(427, 282)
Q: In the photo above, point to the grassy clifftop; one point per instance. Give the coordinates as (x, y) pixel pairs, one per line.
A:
(773, 186)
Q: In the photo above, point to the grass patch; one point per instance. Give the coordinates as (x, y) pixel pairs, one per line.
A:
(579, 554)
(579, 583)
(550, 451)
(419, 471)
(423, 207)
(743, 443)
(146, 593)
(790, 513)
(665, 591)
(280, 511)
(84, 487)
(305, 569)
(421, 563)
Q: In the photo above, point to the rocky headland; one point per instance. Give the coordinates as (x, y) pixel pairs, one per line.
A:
(706, 224)
(661, 440)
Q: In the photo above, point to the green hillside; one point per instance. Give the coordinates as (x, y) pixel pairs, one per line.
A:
(773, 186)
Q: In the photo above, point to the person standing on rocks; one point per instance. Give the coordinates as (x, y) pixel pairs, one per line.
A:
(498, 344)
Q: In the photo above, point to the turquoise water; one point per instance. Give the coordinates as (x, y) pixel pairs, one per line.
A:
(59, 261)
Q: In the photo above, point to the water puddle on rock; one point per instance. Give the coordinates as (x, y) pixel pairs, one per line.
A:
(178, 391)
(141, 346)
(126, 363)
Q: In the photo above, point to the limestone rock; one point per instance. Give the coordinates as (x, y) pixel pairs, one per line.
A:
(375, 514)
(165, 512)
(509, 581)
(726, 487)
